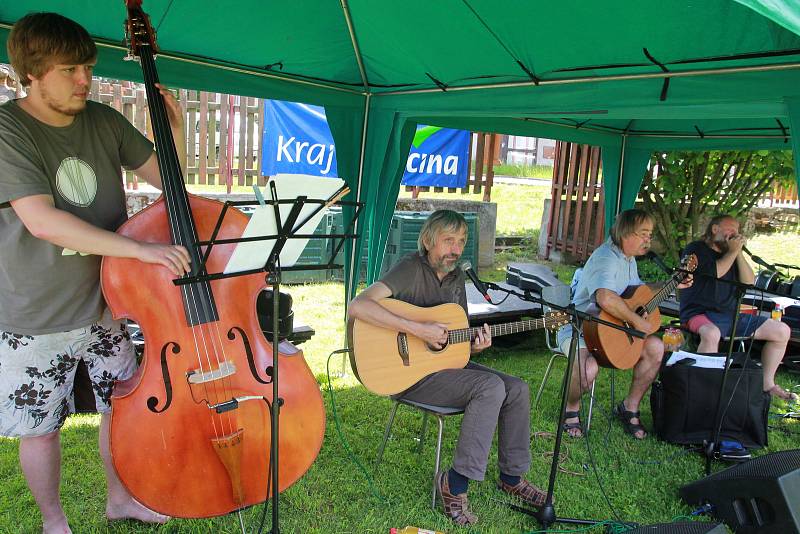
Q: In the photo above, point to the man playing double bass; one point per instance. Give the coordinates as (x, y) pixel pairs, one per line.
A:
(61, 198)
(609, 271)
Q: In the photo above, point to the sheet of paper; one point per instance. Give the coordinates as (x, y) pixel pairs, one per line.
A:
(254, 255)
(709, 362)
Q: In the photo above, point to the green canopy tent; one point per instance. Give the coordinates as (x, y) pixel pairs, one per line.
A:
(632, 77)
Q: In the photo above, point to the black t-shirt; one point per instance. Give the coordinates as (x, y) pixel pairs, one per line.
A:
(706, 294)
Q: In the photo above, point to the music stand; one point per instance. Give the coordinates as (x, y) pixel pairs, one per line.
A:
(286, 230)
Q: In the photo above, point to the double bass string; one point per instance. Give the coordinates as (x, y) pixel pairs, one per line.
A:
(189, 290)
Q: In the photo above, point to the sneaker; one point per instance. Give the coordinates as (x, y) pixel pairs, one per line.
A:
(456, 507)
(733, 451)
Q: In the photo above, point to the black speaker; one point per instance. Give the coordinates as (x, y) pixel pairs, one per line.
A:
(794, 291)
(684, 527)
(759, 496)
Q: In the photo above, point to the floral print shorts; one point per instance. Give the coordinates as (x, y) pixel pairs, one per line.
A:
(37, 373)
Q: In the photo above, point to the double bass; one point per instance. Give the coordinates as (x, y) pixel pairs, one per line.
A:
(190, 431)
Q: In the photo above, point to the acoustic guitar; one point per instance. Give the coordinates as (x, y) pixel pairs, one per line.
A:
(388, 361)
(618, 349)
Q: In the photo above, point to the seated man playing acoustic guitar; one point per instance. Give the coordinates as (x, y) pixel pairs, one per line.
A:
(489, 398)
(609, 271)
(707, 308)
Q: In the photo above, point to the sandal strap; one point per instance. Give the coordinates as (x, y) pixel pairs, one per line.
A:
(625, 417)
(456, 507)
(526, 491)
(623, 411)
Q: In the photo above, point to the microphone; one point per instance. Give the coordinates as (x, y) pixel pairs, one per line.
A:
(759, 260)
(655, 258)
(480, 286)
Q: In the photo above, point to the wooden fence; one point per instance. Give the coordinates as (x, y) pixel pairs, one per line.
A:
(576, 223)
(223, 132)
(781, 197)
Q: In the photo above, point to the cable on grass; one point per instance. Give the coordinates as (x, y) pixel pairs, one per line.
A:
(345, 444)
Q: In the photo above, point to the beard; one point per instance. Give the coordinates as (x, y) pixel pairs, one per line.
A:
(441, 264)
(64, 108)
(721, 243)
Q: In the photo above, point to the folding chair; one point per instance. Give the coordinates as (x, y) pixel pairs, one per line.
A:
(560, 296)
(440, 412)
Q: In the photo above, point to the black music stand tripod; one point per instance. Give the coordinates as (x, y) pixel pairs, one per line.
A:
(286, 229)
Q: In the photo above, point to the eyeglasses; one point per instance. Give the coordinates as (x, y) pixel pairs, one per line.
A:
(644, 236)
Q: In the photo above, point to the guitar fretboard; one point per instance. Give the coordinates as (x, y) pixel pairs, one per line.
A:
(468, 334)
(668, 288)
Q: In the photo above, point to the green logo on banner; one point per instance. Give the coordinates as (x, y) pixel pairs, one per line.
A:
(424, 133)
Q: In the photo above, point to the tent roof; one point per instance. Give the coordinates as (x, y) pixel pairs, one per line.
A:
(600, 62)
(628, 76)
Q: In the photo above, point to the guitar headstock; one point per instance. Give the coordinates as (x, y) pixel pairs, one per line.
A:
(555, 319)
(688, 265)
(138, 30)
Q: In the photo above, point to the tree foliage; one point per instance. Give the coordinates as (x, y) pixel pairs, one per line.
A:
(680, 189)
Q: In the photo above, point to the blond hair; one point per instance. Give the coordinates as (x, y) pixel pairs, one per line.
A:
(439, 221)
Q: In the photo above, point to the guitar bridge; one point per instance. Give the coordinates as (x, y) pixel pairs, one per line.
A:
(402, 348)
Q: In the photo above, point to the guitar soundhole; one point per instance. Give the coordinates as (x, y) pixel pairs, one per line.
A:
(433, 349)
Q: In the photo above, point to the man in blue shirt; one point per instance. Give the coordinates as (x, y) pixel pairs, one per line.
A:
(609, 271)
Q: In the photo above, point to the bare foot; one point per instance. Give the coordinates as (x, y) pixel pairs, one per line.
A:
(56, 527)
(131, 509)
(777, 391)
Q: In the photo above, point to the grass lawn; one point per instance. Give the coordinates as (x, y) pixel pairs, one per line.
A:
(640, 479)
(608, 476)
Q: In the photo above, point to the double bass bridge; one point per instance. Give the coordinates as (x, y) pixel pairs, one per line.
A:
(224, 370)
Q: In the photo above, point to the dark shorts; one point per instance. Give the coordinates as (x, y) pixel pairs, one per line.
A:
(746, 326)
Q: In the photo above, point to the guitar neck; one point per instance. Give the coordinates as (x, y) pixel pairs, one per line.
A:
(663, 293)
(468, 334)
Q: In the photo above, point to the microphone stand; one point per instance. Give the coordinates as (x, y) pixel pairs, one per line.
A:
(740, 289)
(546, 515)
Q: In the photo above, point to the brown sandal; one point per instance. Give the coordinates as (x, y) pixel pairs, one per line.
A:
(526, 491)
(456, 507)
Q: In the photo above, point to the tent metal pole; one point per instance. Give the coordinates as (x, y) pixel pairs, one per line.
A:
(621, 172)
(352, 276)
(352, 31)
(353, 253)
(654, 135)
(229, 68)
(593, 79)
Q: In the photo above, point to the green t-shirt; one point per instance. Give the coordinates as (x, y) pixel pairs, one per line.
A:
(42, 288)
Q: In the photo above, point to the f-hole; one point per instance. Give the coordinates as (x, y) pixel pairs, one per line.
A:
(153, 401)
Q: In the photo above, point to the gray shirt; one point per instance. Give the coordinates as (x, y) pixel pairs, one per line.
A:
(43, 288)
(413, 280)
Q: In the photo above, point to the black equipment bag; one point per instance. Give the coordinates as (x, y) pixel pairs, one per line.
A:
(684, 399)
